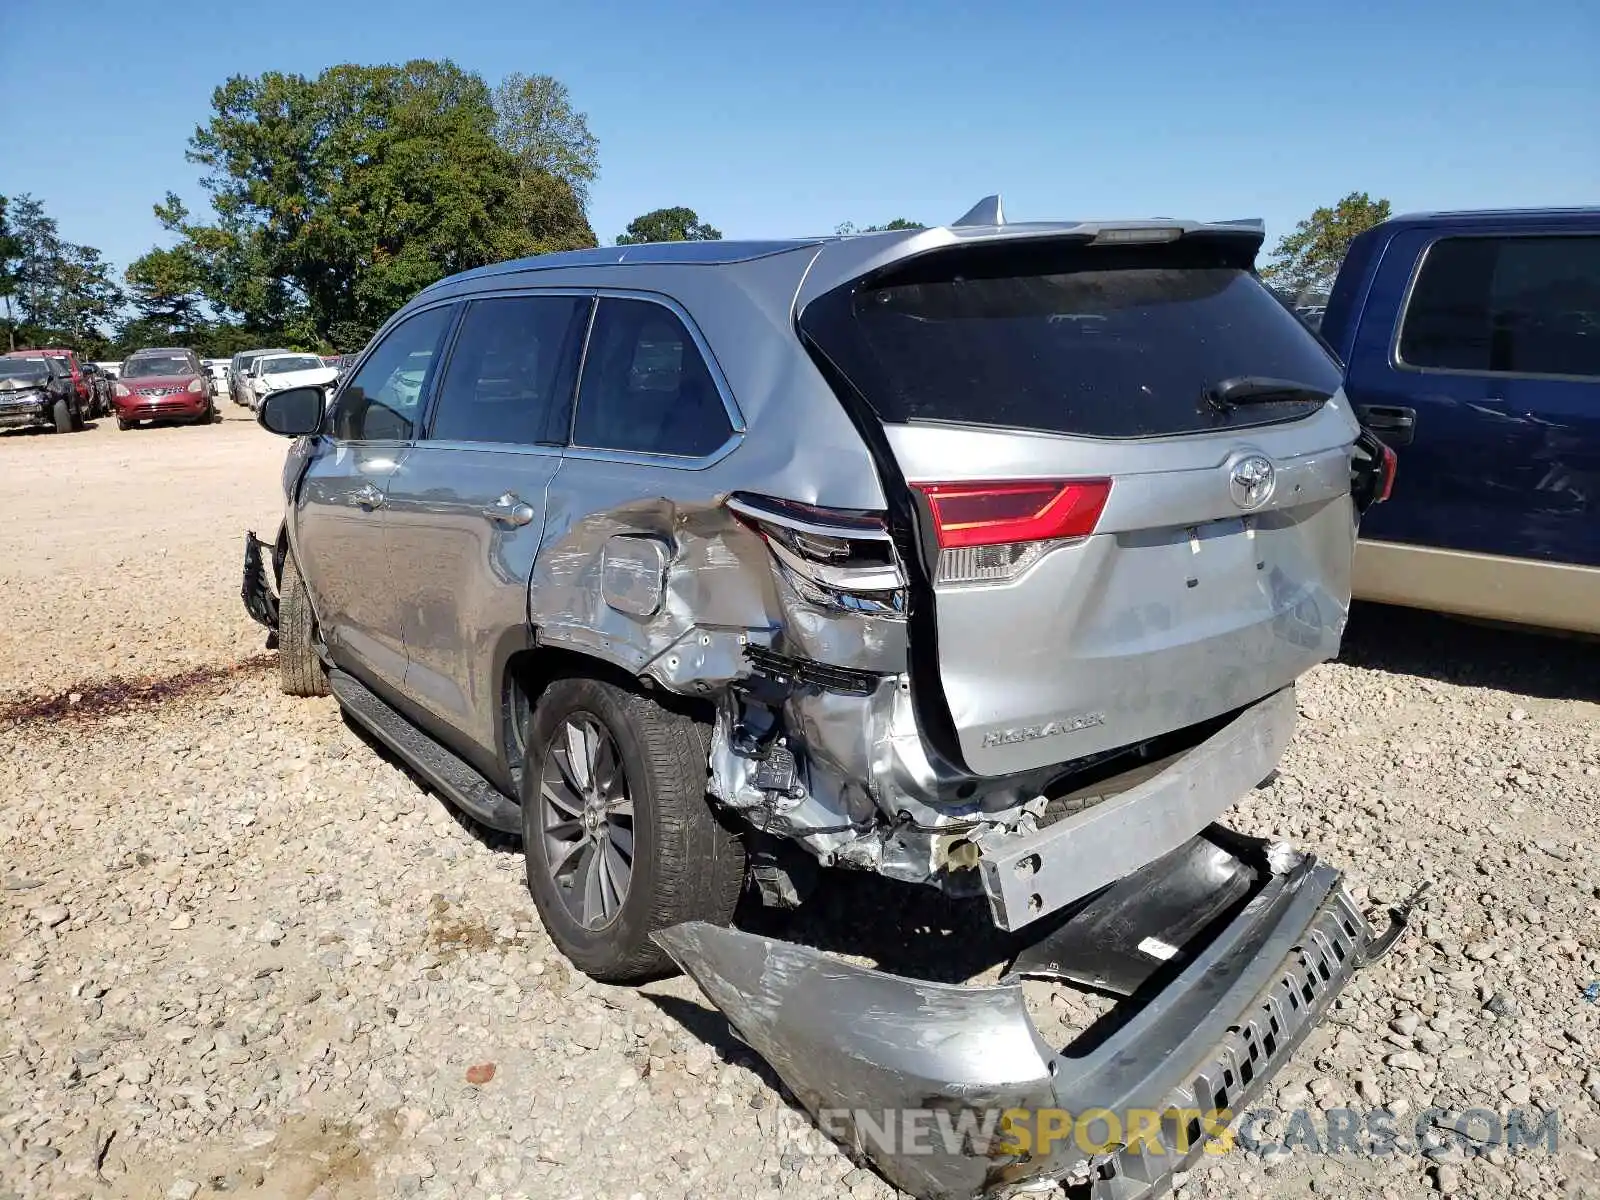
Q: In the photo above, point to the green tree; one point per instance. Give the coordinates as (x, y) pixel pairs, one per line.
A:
(849, 227)
(56, 292)
(10, 261)
(1307, 260)
(167, 288)
(668, 225)
(39, 254)
(535, 120)
(88, 296)
(336, 199)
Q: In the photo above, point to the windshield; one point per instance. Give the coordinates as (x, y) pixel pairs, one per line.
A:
(1096, 341)
(23, 368)
(156, 364)
(301, 362)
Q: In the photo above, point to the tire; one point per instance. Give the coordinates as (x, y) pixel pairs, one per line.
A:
(300, 671)
(685, 866)
(125, 425)
(63, 417)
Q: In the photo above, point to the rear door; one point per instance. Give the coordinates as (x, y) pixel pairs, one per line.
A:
(1112, 555)
(340, 537)
(1495, 353)
(466, 507)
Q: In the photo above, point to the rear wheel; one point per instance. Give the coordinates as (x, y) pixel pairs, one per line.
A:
(618, 834)
(300, 671)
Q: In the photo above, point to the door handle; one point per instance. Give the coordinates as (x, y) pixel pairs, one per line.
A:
(366, 496)
(510, 509)
(1396, 425)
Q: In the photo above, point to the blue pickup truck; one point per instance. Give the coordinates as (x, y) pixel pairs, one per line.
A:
(1472, 347)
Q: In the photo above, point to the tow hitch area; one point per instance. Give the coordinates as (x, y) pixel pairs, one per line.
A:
(1224, 952)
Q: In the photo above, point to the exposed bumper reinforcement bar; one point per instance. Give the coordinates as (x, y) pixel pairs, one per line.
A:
(850, 1040)
(1032, 875)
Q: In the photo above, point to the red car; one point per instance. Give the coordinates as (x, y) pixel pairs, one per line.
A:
(87, 400)
(163, 384)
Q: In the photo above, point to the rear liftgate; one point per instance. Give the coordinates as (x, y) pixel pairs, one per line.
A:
(1226, 950)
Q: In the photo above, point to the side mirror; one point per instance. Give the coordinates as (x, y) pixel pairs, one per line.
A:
(294, 412)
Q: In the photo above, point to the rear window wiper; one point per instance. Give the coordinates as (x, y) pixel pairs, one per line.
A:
(1262, 389)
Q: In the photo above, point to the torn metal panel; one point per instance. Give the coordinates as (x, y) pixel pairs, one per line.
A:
(850, 1040)
(633, 584)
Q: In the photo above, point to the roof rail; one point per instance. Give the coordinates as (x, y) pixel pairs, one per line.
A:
(985, 212)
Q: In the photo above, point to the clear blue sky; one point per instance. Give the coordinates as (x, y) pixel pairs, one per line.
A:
(787, 118)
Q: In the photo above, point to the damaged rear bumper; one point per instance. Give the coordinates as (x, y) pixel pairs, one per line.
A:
(1198, 1039)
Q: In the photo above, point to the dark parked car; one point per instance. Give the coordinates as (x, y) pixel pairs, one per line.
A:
(36, 389)
(163, 384)
(69, 362)
(102, 387)
(1472, 344)
(983, 558)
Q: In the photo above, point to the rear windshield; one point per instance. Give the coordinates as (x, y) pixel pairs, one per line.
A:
(156, 365)
(1096, 341)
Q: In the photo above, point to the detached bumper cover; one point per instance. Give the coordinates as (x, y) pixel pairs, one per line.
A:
(260, 601)
(847, 1040)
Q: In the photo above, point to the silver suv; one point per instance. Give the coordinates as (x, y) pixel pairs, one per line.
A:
(982, 557)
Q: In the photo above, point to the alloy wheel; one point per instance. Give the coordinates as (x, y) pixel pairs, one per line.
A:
(586, 814)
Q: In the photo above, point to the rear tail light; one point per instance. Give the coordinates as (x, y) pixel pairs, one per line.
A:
(1386, 475)
(1372, 470)
(994, 531)
(835, 559)
(196, 386)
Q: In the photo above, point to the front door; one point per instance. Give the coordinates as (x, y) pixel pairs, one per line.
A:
(466, 507)
(340, 542)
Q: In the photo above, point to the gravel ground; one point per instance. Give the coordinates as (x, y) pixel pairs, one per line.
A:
(244, 951)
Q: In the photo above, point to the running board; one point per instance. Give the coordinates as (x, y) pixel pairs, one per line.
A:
(450, 775)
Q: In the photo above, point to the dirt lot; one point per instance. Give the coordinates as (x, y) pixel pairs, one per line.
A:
(245, 952)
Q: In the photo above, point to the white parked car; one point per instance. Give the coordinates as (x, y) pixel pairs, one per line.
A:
(275, 372)
(217, 369)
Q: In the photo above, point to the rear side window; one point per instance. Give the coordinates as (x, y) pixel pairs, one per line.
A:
(646, 388)
(1506, 306)
(1096, 341)
(511, 373)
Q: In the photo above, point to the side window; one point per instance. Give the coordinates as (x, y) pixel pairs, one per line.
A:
(1513, 305)
(384, 399)
(645, 386)
(511, 373)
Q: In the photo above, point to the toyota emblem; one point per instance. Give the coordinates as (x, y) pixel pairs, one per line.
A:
(1251, 481)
